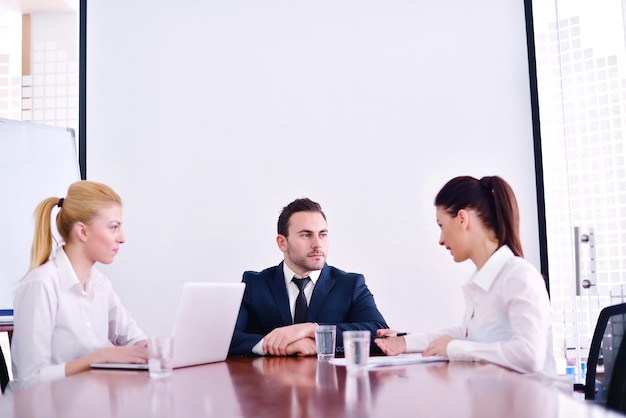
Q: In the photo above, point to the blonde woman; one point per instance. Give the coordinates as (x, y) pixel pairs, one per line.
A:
(66, 314)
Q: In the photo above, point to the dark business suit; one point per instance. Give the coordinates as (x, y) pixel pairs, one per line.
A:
(338, 298)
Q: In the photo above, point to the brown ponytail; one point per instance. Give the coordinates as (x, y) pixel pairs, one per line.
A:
(493, 200)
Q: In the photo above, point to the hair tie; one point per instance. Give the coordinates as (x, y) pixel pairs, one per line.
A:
(60, 204)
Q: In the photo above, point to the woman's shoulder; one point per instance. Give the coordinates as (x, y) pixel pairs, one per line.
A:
(43, 280)
(46, 273)
(520, 264)
(518, 269)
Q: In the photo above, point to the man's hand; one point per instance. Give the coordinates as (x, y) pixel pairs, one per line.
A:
(438, 347)
(392, 346)
(275, 343)
(303, 347)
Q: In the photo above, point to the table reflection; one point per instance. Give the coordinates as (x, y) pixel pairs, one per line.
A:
(305, 387)
(207, 390)
(487, 390)
(300, 387)
(326, 376)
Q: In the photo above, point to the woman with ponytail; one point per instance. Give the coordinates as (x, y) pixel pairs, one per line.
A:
(507, 317)
(66, 314)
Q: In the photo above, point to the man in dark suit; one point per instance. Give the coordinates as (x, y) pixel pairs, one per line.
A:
(282, 305)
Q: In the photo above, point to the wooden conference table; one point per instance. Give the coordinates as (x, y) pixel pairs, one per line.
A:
(8, 328)
(300, 387)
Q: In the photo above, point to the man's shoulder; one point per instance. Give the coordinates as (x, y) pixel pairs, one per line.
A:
(268, 272)
(337, 273)
(328, 271)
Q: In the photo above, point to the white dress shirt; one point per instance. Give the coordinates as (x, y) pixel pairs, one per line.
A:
(507, 318)
(293, 291)
(56, 321)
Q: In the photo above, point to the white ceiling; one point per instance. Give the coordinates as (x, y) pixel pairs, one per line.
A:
(38, 6)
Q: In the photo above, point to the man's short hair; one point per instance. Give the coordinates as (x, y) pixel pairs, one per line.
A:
(299, 205)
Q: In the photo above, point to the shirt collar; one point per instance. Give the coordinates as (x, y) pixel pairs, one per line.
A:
(314, 275)
(487, 274)
(67, 276)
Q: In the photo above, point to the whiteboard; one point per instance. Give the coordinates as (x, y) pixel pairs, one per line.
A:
(36, 162)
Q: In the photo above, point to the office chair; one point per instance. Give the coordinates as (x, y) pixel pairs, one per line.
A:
(608, 350)
(4, 372)
(616, 394)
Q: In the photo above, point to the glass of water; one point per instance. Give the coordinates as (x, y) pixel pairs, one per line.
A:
(160, 353)
(325, 336)
(356, 346)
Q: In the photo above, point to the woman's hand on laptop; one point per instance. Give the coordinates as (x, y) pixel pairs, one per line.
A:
(126, 354)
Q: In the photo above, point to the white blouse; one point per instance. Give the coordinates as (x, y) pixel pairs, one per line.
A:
(507, 318)
(56, 321)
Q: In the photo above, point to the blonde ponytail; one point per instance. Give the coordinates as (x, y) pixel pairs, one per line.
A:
(42, 241)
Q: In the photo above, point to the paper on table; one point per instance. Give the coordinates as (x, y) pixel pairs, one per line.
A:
(379, 361)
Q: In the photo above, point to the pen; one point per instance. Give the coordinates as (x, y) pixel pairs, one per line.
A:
(397, 334)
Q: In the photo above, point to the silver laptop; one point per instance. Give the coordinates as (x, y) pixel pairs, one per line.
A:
(203, 327)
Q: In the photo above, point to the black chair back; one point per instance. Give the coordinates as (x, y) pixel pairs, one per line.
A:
(603, 352)
(616, 394)
(4, 372)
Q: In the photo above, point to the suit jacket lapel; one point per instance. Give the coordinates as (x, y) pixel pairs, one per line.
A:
(323, 286)
(279, 292)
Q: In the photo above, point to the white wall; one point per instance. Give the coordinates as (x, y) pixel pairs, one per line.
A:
(208, 117)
